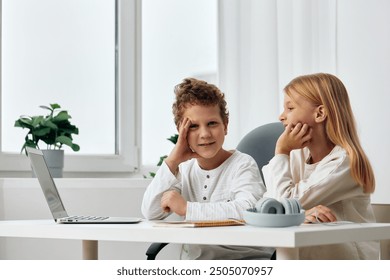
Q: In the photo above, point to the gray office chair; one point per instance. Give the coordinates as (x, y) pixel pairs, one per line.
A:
(260, 144)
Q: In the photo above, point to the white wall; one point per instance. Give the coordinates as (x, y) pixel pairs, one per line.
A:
(363, 63)
(23, 199)
(264, 44)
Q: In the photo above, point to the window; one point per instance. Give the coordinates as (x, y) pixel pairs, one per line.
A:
(80, 57)
(89, 61)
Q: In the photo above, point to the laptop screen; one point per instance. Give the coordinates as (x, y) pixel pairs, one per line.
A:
(46, 181)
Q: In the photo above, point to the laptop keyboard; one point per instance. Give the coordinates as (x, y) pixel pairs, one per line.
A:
(86, 218)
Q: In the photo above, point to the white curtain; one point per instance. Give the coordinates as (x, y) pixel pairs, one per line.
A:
(263, 44)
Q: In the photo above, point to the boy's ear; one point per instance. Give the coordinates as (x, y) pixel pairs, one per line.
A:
(178, 124)
(226, 126)
(320, 114)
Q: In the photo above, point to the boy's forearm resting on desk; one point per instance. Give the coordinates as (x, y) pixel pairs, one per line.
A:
(172, 201)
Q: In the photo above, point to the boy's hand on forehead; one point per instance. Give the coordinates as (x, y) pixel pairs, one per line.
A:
(182, 150)
(182, 142)
(294, 137)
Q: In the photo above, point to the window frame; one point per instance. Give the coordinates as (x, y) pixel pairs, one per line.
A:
(126, 158)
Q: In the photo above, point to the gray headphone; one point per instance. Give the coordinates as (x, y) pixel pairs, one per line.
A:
(269, 212)
(272, 206)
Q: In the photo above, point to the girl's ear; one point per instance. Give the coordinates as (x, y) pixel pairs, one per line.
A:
(226, 126)
(320, 114)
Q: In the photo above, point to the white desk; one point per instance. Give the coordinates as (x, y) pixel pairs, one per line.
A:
(286, 240)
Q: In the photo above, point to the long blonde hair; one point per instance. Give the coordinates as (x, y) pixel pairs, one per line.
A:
(327, 90)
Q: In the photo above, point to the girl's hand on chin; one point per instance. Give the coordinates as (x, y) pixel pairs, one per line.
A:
(294, 137)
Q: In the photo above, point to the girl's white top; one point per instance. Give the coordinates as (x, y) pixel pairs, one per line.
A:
(328, 182)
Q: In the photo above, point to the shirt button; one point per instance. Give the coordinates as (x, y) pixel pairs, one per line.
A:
(207, 176)
(205, 186)
(204, 198)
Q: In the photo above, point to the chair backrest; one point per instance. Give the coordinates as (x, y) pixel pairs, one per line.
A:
(260, 143)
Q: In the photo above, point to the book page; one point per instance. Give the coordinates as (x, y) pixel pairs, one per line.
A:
(208, 223)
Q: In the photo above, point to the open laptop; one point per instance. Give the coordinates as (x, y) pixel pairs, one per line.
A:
(54, 200)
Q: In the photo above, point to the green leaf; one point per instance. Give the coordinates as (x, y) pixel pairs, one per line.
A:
(75, 147)
(173, 138)
(70, 130)
(68, 141)
(45, 107)
(61, 116)
(23, 123)
(42, 131)
(26, 122)
(36, 120)
(17, 123)
(161, 160)
(55, 106)
(64, 140)
(50, 124)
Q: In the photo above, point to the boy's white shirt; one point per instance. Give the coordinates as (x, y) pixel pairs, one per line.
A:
(221, 193)
(328, 182)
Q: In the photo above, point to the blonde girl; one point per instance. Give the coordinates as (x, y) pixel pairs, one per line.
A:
(319, 160)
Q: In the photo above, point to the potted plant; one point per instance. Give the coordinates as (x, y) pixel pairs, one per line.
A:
(55, 130)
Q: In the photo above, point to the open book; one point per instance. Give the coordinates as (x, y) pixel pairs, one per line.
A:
(192, 224)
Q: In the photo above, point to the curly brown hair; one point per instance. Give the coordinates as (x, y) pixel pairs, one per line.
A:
(197, 92)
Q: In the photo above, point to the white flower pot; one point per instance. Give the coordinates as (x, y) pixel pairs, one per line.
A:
(54, 161)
